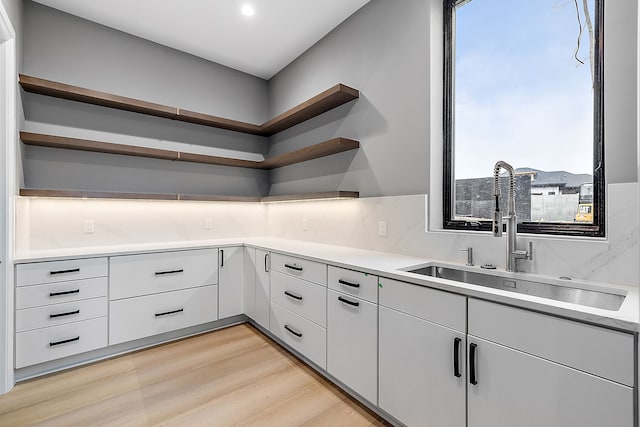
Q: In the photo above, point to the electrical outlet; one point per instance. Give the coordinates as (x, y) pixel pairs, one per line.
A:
(208, 224)
(88, 226)
(382, 228)
(305, 224)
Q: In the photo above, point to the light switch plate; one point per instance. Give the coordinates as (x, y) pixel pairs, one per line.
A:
(382, 228)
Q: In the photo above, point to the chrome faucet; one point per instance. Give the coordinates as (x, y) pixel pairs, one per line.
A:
(513, 254)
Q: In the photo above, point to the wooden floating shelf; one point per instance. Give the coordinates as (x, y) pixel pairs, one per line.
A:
(323, 149)
(321, 103)
(312, 196)
(188, 197)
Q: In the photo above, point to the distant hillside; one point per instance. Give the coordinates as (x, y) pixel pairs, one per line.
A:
(561, 178)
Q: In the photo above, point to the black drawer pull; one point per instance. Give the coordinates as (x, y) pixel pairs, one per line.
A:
(292, 295)
(472, 364)
(166, 313)
(293, 267)
(293, 331)
(55, 343)
(73, 270)
(346, 301)
(221, 257)
(353, 285)
(456, 357)
(70, 313)
(160, 273)
(57, 294)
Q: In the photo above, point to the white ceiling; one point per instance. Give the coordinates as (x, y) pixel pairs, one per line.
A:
(262, 45)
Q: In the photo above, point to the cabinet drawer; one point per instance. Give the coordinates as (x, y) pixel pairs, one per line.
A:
(599, 351)
(140, 317)
(302, 335)
(303, 298)
(304, 269)
(145, 274)
(436, 306)
(58, 314)
(56, 293)
(59, 271)
(352, 343)
(361, 285)
(42, 345)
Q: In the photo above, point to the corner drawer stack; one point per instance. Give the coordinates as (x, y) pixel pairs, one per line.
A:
(299, 305)
(160, 292)
(61, 309)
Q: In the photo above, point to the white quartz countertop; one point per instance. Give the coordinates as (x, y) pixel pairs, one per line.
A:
(392, 265)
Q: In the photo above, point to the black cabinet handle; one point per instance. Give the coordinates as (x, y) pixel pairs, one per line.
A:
(292, 295)
(353, 285)
(293, 267)
(166, 313)
(55, 343)
(346, 301)
(57, 294)
(221, 257)
(69, 313)
(472, 364)
(73, 270)
(266, 269)
(456, 357)
(161, 273)
(293, 331)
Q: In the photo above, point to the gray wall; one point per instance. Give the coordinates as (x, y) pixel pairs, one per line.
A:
(382, 50)
(65, 48)
(386, 50)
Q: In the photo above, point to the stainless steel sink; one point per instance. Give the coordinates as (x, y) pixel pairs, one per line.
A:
(591, 298)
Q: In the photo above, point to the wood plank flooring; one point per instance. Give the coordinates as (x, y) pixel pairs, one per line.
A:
(232, 377)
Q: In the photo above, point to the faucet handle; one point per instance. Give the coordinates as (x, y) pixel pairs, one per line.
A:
(469, 252)
(521, 254)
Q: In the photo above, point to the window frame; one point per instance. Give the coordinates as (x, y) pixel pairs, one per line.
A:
(595, 229)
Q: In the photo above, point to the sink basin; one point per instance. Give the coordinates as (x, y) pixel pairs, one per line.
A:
(591, 298)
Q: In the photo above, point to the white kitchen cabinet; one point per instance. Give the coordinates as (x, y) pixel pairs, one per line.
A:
(352, 343)
(257, 286)
(422, 371)
(421, 356)
(530, 369)
(148, 274)
(144, 316)
(301, 334)
(61, 309)
(230, 281)
(513, 388)
(304, 298)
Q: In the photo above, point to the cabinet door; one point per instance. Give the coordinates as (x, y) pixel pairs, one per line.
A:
(418, 376)
(262, 288)
(352, 341)
(517, 389)
(249, 285)
(230, 296)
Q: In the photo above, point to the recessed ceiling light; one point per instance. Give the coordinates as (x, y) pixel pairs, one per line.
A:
(247, 10)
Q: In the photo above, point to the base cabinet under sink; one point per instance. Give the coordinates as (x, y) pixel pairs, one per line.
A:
(518, 389)
(418, 383)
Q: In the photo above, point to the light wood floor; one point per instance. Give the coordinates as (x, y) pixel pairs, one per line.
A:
(232, 377)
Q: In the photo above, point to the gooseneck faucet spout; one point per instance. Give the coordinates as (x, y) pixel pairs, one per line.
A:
(497, 216)
(513, 254)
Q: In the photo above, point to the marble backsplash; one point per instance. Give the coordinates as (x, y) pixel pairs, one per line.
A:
(45, 224)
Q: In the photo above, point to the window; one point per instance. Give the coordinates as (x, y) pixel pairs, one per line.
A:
(523, 84)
